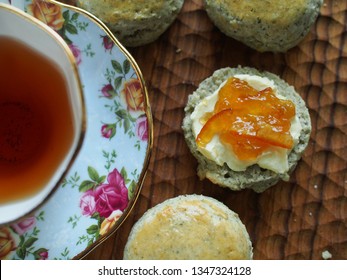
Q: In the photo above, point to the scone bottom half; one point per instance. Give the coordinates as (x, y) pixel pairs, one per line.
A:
(254, 177)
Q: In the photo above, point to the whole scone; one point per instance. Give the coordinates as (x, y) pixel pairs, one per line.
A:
(190, 227)
(135, 22)
(264, 25)
(254, 177)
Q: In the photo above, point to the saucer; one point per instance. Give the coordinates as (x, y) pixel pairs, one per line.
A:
(103, 184)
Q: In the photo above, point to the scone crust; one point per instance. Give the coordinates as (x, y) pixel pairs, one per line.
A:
(269, 25)
(253, 177)
(136, 22)
(189, 227)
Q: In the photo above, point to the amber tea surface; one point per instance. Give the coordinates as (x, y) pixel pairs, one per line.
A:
(36, 124)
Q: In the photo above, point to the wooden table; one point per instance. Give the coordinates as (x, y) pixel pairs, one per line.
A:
(298, 219)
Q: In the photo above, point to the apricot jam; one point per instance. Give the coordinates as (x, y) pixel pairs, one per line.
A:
(249, 120)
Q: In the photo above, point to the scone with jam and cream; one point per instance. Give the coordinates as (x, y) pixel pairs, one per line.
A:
(189, 227)
(246, 128)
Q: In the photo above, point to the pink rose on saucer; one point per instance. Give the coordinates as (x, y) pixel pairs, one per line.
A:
(108, 131)
(87, 203)
(108, 91)
(43, 255)
(24, 225)
(142, 128)
(111, 196)
(107, 43)
(77, 53)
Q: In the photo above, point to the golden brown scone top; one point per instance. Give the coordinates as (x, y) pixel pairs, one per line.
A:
(191, 229)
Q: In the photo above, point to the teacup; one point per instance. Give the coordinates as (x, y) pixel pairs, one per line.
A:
(42, 113)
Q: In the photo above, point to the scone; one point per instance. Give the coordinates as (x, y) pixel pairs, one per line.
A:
(190, 227)
(254, 148)
(135, 22)
(269, 25)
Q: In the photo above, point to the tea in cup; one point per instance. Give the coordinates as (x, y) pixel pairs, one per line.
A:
(42, 114)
